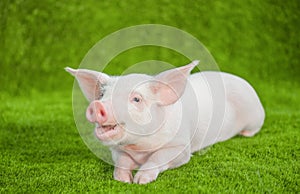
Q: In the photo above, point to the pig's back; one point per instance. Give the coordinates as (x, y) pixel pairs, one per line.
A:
(226, 104)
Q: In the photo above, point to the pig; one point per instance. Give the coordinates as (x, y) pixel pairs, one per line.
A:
(156, 122)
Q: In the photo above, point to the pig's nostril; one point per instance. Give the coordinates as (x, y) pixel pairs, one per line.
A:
(102, 113)
(91, 111)
(90, 114)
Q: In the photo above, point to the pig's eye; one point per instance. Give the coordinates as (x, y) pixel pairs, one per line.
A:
(101, 95)
(136, 99)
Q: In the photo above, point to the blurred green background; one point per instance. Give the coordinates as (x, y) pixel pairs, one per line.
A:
(256, 39)
(39, 38)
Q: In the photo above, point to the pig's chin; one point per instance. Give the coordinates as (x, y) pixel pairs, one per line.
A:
(107, 132)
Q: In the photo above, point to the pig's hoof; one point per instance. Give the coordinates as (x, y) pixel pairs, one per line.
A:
(123, 176)
(249, 133)
(145, 177)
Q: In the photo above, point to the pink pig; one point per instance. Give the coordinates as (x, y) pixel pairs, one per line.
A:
(155, 123)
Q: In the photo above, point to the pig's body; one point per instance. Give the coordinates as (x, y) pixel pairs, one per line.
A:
(211, 107)
(242, 113)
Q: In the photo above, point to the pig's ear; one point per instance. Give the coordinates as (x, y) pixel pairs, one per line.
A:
(170, 85)
(89, 81)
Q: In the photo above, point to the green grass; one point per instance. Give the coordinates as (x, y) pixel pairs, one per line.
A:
(41, 150)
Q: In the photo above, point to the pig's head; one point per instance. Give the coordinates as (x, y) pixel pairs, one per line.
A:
(132, 108)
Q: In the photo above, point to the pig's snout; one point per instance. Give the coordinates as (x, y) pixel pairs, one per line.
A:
(96, 113)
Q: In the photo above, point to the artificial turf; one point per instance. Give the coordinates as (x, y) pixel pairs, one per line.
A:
(41, 150)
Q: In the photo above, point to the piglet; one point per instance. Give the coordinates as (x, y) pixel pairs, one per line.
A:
(155, 123)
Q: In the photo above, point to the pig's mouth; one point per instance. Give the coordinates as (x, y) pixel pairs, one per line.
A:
(107, 132)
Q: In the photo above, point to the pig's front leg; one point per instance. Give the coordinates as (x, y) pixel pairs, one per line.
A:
(162, 160)
(124, 165)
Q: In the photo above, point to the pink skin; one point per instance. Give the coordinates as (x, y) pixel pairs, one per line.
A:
(156, 106)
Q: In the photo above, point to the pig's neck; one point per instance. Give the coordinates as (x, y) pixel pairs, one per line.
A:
(164, 136)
